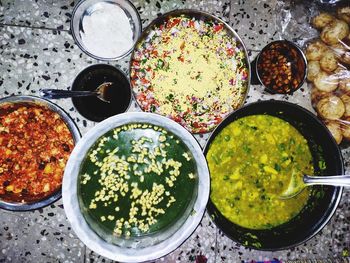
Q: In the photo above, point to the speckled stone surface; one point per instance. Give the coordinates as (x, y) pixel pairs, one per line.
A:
(37, 51)
(254, 22)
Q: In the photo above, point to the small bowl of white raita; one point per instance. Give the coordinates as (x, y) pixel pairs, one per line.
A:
(105, 30)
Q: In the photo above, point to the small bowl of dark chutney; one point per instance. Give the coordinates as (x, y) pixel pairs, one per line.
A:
(119, 94)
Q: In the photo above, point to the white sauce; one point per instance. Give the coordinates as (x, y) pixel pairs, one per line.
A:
(107, 31)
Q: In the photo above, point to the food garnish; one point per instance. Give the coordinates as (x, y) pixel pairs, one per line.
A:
(190, 70)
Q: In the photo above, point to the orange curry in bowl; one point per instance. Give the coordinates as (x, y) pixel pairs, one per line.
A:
(35, 144)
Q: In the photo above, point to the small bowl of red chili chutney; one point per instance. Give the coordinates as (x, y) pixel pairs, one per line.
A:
(281, 67)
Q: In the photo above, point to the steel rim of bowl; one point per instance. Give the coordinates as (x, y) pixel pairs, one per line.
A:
(79, 224)
(207, 16)
(96, 66)
(300, 52)
(336, 195)
(75, 135)
(76, 40)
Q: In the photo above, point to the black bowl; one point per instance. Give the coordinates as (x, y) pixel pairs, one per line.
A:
(323, 200)
(92, 107)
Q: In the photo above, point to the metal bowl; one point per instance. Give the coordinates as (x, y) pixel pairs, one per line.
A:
(323, 200)
(75, 134)
(200, 15)
(295, 57)
(85, 8)
(157, 244)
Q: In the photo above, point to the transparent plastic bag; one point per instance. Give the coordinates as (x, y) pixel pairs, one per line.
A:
(322, 28)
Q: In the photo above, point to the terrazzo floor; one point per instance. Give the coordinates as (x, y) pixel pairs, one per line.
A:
(37, 51)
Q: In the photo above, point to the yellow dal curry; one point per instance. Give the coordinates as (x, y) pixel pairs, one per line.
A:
(251, 161)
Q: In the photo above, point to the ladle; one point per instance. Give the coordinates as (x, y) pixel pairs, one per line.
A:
(298, 183)
(101, 92)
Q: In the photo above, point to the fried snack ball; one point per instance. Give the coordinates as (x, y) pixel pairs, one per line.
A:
(344, 85)
(344, 14)
(342, 52)
(313, 69)
(335, 31)
(345, 128)
(345, 57)
(346, 100)
(335, 129)
(329, 62)
(340, 71)
(326, 82)
(338, 49)
(331, 108)
(317, 95)
(322, 20)
(315, 50)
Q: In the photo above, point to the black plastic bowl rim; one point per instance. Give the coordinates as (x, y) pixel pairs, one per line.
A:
(318, 210)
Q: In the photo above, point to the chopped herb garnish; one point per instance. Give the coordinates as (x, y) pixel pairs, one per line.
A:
(277, 167)
(281, 147)
(246, 148)
(216, 159)
(153, 108)
(291, 141)
(322, 165)
(160, 64)
(170, 97)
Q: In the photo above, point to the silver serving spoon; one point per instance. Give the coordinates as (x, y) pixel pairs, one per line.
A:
(298, 183)
(101, 92)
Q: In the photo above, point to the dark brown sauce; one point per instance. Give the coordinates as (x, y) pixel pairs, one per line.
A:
(119, 93)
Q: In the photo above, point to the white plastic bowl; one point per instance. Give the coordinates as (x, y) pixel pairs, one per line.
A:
(158, 246)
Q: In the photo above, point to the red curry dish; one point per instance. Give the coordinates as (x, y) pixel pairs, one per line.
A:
(35, 144)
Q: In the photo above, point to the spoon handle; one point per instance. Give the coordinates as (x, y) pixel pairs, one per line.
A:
(337, 180)
(60, 94)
